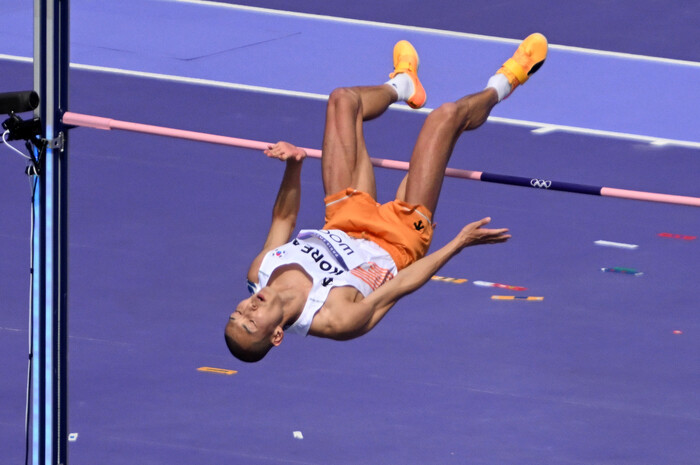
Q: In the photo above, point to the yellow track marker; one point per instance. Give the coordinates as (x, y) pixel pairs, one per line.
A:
(449, 280)
(220, 371)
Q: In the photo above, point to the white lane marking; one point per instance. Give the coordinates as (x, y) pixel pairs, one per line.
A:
(441, 32)
(537, 127)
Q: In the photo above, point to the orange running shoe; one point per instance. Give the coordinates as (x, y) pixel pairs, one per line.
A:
(406, 61)
(526, 60)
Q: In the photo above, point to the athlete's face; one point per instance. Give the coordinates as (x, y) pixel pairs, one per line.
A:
(256, 318)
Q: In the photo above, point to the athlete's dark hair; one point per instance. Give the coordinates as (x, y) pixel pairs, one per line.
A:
(252, 354)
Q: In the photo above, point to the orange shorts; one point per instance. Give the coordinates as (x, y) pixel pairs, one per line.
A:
(403, 230)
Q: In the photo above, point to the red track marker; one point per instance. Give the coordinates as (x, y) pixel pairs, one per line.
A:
(678, 236)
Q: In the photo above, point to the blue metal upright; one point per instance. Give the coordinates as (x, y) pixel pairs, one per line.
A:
(49, 415)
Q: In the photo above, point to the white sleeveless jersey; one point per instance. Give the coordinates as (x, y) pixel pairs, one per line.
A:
(332, 259)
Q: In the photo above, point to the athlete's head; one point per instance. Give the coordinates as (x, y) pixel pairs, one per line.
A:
(255, 326)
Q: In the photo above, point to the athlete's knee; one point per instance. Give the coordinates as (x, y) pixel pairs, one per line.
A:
(446, 112)
(447, 115)
(345, 98)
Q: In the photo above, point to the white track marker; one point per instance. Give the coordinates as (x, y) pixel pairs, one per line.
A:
(502, 286)
(619, 245)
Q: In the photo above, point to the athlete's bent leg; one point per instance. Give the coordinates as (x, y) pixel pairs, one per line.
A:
(345, 161)
(443, 127)
(437, 140)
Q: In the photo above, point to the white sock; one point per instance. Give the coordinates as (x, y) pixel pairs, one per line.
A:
(403, 85)
(499, 82)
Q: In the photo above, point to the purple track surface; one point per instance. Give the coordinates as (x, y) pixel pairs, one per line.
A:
(162, 232)
(647, 27)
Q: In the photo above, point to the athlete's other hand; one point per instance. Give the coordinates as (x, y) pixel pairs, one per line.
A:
(285, 151)
(475, 234)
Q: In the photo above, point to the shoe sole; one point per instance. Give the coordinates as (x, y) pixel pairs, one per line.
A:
(522, 73)
(417, 100)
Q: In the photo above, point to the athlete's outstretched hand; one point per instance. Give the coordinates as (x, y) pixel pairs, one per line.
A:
(285, 151)
(475, 234)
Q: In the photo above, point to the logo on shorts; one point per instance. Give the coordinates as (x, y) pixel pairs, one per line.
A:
(279, 253)
(418, 225)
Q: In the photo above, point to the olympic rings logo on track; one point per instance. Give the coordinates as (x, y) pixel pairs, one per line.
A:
(540, 183)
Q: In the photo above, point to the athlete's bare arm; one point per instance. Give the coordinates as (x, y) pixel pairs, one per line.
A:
(351, 320)
(286, 208)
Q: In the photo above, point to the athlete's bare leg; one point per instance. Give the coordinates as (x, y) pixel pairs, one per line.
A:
(345, 161)
(436, 142)
(443, 127)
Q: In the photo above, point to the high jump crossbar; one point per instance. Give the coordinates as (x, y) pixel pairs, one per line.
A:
(97, 122)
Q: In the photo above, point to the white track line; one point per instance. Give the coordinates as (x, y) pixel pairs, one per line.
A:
(537, 127)
(16, 58)
(441, 32)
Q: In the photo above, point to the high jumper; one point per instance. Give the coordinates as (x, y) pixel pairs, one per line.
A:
(338, 282)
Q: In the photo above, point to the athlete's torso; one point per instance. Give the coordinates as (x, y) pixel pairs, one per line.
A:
(333, 262)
